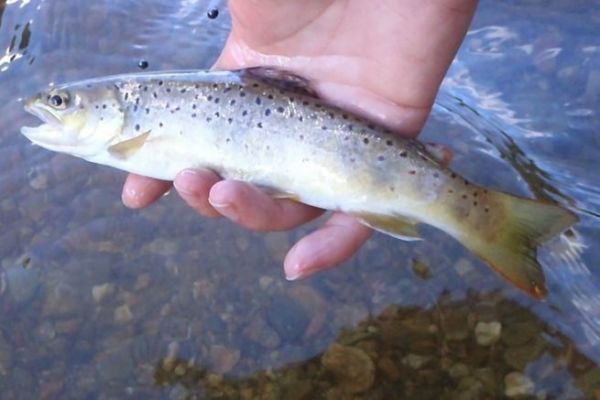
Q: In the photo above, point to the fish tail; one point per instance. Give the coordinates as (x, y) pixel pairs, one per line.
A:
(511, 249)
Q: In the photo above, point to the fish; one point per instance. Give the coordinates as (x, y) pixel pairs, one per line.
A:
(268, 128)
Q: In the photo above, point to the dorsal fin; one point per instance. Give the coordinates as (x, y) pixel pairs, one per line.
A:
(280, 78)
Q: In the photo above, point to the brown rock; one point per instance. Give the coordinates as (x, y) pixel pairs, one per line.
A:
(352, 367)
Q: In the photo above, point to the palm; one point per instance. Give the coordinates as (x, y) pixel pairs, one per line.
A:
(383, 59)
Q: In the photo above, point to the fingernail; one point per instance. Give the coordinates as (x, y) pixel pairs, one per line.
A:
(225, 209)
(185, 179)
(129, 197)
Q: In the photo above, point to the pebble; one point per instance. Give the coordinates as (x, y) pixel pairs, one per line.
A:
(288, 318)
(223, 359)
(353, 368)
(123, 314)
(516, 384)
(21, 283)
(101, 292)
(487, 333)
(415, 361)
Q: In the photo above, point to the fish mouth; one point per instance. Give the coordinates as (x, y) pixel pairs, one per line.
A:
(46, 133)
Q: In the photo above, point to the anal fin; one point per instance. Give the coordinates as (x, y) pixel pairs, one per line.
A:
(398, 227)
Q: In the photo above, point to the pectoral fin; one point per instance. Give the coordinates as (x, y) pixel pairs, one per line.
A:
(440, 152)
(276, 193)
(392, 225)
(129, 147)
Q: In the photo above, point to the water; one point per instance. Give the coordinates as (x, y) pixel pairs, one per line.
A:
(103, 302)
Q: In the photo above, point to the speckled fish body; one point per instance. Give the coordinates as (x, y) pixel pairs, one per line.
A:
(295, 145)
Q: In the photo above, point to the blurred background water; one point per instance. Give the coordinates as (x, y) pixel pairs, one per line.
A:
(98, 301)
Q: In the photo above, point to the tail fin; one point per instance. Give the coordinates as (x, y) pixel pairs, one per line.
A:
(512, 249)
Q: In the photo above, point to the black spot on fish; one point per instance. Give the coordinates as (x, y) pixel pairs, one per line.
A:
(345, 116)
(197, 86)
(350, 127)
(126, 97)
(208, 119)
(230, 120)
(260, 125)
(453, 175)
(366, 140)
(217, 114)
(464, 196)
(147, 111)
(228, 140)
(392, 189)
(167, 105)
(301, 137)
(352, 159)
(318, 105)
(324, 127)
(194, 115)
(194, 106)
(209, 98)
(403, 154)
(475, 194)
(242, 94)
(145, 88)
(331, 115)
(475, 203)
(270, 97)
(183, 90)
(346, 137)
(160, 83)
(137, 127)
(267, 112)
(226, 89)
(217, 100)
(292, 100)
(244, 113)
(412, 172)
(436, 175)
(280, 109)
(232, 102)
(97, 106)
(155, 95)
(466, 182)
(450, 191)
(305, 103)
(371, 126)
(104, 106)
(258, 101)
(215, 85)
(389, 142)
(301, 118)
(380, 158)
(160, 124)
(168, 90)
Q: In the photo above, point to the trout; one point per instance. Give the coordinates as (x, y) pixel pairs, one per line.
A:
(264, 127)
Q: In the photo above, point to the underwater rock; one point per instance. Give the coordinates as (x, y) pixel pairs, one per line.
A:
(287, 318)
(123, 314)
(352, 367)
(260, 332)
(487, 333)
(223, 359)
(6, 356)
(21, 283)
(516, 384)
(100, 292)
(415, 361)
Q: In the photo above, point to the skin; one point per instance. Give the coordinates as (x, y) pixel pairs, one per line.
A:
(383, 59)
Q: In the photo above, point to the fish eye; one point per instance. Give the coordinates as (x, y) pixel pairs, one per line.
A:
(60, 101)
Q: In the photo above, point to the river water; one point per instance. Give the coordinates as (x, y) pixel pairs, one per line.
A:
(102, 302)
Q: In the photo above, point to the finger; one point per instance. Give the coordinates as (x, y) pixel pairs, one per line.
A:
(193, 186)
(254, 209)
(333, 243)
(140, 191)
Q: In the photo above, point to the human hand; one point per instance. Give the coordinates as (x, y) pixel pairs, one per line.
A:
(382, 59)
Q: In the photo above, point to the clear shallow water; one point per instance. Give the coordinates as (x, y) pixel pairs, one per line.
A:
(102, 302)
